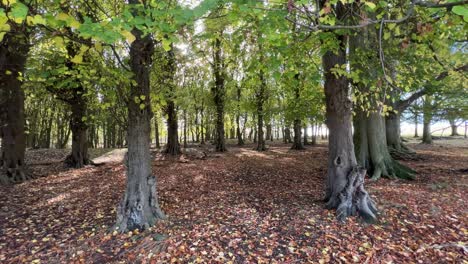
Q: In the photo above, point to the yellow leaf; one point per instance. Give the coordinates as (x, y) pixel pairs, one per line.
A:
(75, 24)
(37, 19)
(59, 42)
(98, 46)
(77, 59)
(2, 34)
(63, 16)
(128, 35)
(6, 2)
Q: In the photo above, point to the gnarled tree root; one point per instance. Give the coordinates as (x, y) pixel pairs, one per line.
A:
(392, 169)
(14, 176)
(403, 153)
(139, 209)
(354, 199)
(73, 163)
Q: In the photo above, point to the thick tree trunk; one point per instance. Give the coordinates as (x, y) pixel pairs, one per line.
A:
(287, 135)
(79, 155)
(416, 125)
(393, 135)
(371, 148)
(139, 208)
(240, 140)
(297, 143)
(392, 131)
(427, 118)
(172, 146)
(344, 185)
(219, 95)
(453, 128)
(14, 49)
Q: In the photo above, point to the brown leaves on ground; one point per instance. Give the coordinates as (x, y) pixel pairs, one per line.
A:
(241, 206)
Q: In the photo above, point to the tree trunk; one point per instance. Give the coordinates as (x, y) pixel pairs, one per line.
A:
(416, 125)
(269, 135)
(287, 135)
(453, 127)
(79, 155)
(345, 179)
(371, 148)
(427, 118)
(297, 143)
(240, 140)
(185, 129)
(172, 146)
(156, 132)
(315, 129)
(392, 131)
(202, 127)
(259, 135)
(14, 49)
(260, 97)
(218, 94)
(139, 208)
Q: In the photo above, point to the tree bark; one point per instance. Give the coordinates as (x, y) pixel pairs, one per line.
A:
(79, 155)
(269, 135)
(297, 143)
(392, 130)
(287, 135)
(139, 208)
(260, 97)
(14, 49)
(416, 125)
(345, 179)
(156, 132)
(185, 129)
(371, 148)
(427, 118)
(453, 127)
(219, 92)
(240, 140)
(172, 146)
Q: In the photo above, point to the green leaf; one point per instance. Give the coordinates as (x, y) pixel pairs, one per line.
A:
(166, 44)
(19, 12)
(371, 5)
(460, 10)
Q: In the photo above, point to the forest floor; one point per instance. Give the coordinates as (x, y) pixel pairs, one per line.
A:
(241, 207)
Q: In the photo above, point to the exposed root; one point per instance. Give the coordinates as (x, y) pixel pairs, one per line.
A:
(71, 162)
(297, 146)
(354, 199)
(404, 153)
(173, 149)
(14, 176)
(392, 169)
(139, 210)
